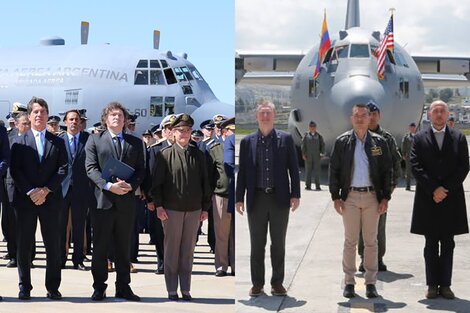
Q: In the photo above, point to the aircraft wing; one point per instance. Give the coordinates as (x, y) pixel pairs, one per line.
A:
(267, 67)
(278, 68)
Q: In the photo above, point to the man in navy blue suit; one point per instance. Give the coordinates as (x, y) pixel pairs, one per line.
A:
(268, 161)
(75, 187)
(39, 164)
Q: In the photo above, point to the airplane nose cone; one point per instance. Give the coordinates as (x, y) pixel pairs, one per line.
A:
(356, 90)
(210, 109)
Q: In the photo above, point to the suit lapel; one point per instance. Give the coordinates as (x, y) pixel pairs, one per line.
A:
(109, 141)
(432, 140)
(254, 143)
(125, 145)
(47, 144)
(31, 142)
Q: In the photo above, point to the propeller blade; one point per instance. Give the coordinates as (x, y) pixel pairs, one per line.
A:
(84, 32)
(156, 39)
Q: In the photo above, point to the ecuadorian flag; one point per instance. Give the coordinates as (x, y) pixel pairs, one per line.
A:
(325, 45)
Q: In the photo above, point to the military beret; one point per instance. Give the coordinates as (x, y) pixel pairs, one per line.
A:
(219, 118)
(183, 119)
(53, 119)
(228, 123)
(312, 124)
(207, 124)
(373, 107)
(167, 121)
(18, 107)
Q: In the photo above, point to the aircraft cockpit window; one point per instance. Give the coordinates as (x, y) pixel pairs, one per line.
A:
(195, 73)
(391, 57)
(169, 105)
(156, 77)
(170, 76)
(360, 51)
(342, 51)
(179, 74)
(329, 54)
(141, 77)
(164, 63)
(404, 88)
(187, 73)
(143, 64)
(156, 106)
(154, 64)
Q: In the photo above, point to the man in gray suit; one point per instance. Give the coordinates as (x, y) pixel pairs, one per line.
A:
(113, 218)
(313, 148)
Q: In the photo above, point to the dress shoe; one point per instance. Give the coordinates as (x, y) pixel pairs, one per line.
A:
(54, 295)
(308, 188)
(85, 259)
(127, 294)
(408, 188)
(24, 295)
(432, 292)
(349, 291)
(446, 292)
(220, 273)
(371, 291)
(79, 266)
(381, 266)
(12, 263)
(159, 271)
(132, 269)
(98, 295)
(318, 189)
(278, 290)
(173, 297)
(110, 266)
(6, 257)
(186, 297)
(232, 273)
(361, 266)
(256, 291)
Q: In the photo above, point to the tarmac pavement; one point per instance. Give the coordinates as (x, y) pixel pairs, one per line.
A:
(314, 276)
(210, 293)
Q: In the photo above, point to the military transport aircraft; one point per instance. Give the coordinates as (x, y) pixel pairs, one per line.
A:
(150, 83)
(349, 76)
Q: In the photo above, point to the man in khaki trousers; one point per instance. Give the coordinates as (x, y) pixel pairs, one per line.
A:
(360, 186)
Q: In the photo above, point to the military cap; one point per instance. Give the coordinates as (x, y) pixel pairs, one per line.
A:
(97, 125)
(197, 134)
(131, 119)
(373, 107)
(11, 119)
(8, 116)
(155, 129)
(312, 124)
(228, 123)
(207, 124)
(218, 118)
(63, 128)
(147, 132)
(53, 119)
(18, 107)
(167, 120)
(412, 124)
(182, 119)
(82, 113)
(451, 119)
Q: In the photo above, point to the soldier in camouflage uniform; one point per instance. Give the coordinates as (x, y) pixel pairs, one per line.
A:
(406, 144)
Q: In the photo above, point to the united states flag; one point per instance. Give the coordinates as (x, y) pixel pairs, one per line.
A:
(385, 44)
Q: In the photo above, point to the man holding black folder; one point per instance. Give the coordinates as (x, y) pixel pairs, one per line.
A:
(113, 218)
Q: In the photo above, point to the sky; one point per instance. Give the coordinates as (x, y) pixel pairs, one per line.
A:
(423, 27)
(204, 29)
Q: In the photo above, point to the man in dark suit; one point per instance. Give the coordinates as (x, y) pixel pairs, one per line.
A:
(75, 187)
(439, 161)
(39, 164)
(4, 161)
(268, 161)
(113, 218)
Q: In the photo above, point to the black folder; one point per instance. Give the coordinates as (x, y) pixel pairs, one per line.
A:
(116, 169)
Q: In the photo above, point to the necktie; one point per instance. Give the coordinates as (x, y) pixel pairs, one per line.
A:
(74, 146)
(117, 143)
(40, 145)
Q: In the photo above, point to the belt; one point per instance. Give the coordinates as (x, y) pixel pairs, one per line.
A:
(362, 189)
(268, 190)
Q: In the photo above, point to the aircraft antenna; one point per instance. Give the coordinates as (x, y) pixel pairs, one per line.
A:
(84, 32)
(353, 18)
(156, 39)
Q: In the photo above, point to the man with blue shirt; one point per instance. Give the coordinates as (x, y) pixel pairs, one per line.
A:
(360, 186)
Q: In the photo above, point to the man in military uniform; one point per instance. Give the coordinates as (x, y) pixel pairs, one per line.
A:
(217, 120)
(313, 148)
(181, 203)
(53, 124)
(396, 158)
(220, 187)
(406, 144)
